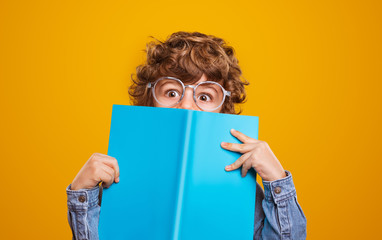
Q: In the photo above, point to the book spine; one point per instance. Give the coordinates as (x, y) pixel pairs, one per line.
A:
(182, 176)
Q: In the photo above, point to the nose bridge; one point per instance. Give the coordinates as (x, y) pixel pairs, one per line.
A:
(190, 86)
(188, 98)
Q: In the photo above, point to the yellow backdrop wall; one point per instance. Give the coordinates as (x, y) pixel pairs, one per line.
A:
(315, 73)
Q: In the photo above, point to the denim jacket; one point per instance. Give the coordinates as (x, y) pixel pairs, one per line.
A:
(277, 212)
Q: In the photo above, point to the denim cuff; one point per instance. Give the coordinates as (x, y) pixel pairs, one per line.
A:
(82, 199)
(279, 190)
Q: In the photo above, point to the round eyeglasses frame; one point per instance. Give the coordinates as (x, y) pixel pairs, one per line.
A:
(153, 84)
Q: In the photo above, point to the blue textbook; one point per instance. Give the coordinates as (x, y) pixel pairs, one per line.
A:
(173, 185)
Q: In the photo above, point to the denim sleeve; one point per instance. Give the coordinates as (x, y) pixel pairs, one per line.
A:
(83, 213)
(283, 216)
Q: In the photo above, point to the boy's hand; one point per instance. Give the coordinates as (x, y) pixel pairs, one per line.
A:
(99, 168)
(256, 154)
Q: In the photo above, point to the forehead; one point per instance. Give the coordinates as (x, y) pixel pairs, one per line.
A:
(203, 78)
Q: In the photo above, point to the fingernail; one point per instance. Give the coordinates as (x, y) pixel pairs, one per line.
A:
(228, 167)
(117, 179)
(233, 130)
(224, 144)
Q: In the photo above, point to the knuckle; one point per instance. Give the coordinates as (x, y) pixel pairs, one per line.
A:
(107, 178)
(234, 165)
(94, 158)
(252, 158)
(237, 164)
(94, 163)
(95, 172)
(259, 148)
(263, 144)
(256, 152)
(241, 147)
(254, 165)
(252, 146)
(110, 178)
(115, 162)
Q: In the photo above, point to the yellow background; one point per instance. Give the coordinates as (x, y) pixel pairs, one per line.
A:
(315, 69)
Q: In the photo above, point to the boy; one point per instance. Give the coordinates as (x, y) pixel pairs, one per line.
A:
(197, 72)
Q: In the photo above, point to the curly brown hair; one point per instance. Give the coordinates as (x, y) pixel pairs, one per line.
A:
(188, 56)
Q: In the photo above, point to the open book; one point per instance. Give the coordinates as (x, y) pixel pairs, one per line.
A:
(173, 185)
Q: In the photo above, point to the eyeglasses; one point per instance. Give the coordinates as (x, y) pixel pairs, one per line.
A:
(169, 91)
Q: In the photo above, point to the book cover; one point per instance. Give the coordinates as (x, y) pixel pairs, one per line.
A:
(172, 179)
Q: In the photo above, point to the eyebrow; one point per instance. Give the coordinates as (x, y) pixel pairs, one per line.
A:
(170, 84)
(215, 90)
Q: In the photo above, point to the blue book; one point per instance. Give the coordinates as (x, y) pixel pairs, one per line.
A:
(173, 185)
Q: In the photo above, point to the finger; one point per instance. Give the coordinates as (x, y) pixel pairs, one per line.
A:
(107, 176)
(242, 137)
(238, 162)
(110, 162)
(246, 166)
(113, 163)
(237, 147)
(100, 154)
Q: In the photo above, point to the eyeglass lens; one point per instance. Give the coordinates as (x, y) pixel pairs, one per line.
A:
(168, 92)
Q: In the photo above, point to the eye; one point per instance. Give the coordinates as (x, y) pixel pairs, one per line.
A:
(172, 94)
(204, 98)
